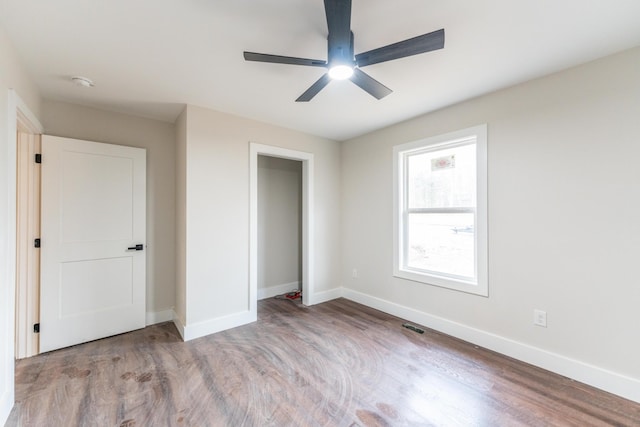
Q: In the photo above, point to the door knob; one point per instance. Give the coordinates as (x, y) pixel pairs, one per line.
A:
(136, 248)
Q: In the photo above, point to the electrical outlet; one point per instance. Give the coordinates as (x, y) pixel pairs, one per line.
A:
(540, 318)
(354, 273)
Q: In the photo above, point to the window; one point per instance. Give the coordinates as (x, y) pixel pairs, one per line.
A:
(440, 210)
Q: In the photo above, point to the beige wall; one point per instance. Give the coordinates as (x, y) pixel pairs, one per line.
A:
(12, 76)
(563, 218)
(74, 121)
(279, 224)
(217, 209)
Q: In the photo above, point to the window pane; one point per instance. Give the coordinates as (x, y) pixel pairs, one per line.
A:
(442, 243)
(443, 178)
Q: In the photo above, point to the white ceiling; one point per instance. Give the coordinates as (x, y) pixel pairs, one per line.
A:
(150, 57)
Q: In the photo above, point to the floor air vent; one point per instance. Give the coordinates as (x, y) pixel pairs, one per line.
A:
(413, 328)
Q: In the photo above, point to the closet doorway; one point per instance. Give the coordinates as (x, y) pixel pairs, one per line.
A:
(281, 254)
(279, 227)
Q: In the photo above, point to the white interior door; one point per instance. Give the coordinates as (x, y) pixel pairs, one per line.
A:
(93, 216)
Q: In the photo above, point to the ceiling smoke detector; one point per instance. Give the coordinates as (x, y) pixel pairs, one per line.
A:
(82, 81)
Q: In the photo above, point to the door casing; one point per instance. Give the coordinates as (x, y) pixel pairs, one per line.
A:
(27, 254)
(256, 150)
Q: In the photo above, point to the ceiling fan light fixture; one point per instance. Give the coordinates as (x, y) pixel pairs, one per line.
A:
(340, 72)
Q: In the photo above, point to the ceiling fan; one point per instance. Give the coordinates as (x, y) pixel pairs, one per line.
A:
(342, 63)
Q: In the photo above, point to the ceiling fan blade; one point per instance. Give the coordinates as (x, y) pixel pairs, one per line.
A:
(369, 84)
(277, 59)
(314, 89)
(409, 47)
(339, 23)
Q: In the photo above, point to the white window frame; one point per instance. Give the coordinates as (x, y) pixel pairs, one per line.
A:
(480, 285)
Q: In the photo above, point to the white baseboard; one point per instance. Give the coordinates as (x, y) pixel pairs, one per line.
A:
(211, 326)
(272, 291)
(6, 405)
(324, 296)
(207, 327)
(178, 323)
(603, 379)
(154, 317)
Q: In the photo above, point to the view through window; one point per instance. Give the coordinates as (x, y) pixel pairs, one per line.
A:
(441, 206)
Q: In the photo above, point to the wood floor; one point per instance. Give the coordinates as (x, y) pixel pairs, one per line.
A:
(334, 364)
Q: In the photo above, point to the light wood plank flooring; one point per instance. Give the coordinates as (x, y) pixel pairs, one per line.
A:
(334, 364)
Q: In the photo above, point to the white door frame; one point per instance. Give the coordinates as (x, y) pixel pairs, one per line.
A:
(307, 219)
(28, 256)
(17, 111)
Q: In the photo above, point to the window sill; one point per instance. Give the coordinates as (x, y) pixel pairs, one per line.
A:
(443, 282)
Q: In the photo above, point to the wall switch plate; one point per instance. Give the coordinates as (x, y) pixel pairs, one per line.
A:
(540, 318)
(354, 273)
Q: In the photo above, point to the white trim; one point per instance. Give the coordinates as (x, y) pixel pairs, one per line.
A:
(34, 124)
(603, 379)
(324, 296)
(308, 249)
(211, 326)
(7, 348)
(480, 284)
(272, 291)
(6, 405)
(154, 317)
(27, 307)
(15, 107)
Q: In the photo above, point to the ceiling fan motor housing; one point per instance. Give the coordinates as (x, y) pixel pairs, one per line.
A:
(341, 53)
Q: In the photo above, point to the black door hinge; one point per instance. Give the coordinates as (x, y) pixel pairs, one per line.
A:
(36, 243)
(38, 158)
(36, 328)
